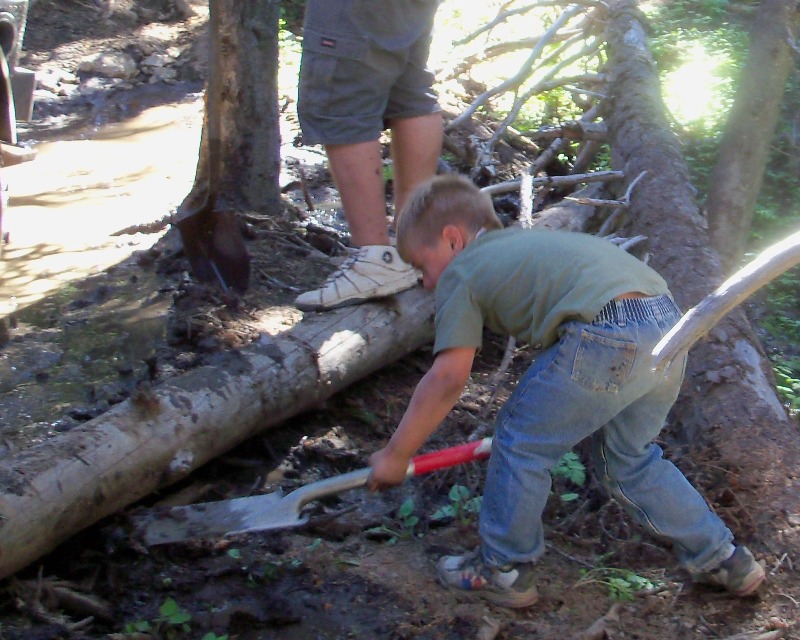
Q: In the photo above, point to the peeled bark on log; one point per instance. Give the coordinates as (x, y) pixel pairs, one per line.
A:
(51, 491)
(728, 402)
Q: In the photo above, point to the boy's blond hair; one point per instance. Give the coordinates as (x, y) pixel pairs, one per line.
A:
(443, 200)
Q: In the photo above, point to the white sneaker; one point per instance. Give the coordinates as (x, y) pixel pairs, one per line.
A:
(371, 272)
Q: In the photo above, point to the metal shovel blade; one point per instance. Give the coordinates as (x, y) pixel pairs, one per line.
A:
(238, 515)
(162, 525)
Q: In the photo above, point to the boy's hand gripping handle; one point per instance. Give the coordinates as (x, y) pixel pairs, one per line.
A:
(425, 463)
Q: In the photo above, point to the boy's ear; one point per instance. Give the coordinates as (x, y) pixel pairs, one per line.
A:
(453, 235)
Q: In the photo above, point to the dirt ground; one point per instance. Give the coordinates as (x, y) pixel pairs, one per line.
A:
(364, 568)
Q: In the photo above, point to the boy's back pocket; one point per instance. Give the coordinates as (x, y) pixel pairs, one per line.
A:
(602, 363)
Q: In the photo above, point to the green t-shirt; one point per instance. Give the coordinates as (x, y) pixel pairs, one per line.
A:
(526, 283)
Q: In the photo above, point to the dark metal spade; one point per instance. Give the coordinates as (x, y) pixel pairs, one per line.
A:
(276, 510)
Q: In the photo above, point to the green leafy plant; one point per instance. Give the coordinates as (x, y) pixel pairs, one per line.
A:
(139, 626)
(788, 385)
(571, 468)
(213, 636)
(622, 584)
(173, 617)
(406, 520)
(171, 623)
(462, 508)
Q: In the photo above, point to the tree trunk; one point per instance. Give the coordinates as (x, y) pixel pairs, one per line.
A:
(51, 491)
(239, 159)
(238, 166)
(744, 148)
(728, 404)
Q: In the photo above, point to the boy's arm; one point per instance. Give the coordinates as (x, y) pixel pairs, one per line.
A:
(434, 397)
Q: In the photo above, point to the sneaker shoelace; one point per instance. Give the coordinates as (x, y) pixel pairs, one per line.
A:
(345, 266)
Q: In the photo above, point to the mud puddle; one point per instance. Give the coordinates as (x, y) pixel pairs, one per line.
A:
(80, 322)
(79, 351)
(67, 205)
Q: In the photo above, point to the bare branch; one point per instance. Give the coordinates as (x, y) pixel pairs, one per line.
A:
(496, 50)
(501, 17)
(526, 201)
(623, 202)
(553, 150)
(586, 153)
(522, 74)
(575, 130)
(557, 145)
(541, 85)
(555, 181)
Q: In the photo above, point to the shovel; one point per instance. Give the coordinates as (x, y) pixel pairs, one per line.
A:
(276, 510)
(209, 232)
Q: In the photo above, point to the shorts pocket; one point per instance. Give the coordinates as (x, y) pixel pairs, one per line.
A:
(332, 74)
(339, 45)
(602, 363)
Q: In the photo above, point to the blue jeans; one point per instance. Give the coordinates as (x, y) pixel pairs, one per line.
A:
(597, 381)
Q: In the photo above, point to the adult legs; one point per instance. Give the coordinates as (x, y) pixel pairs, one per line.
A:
(416, 147)
(376, 270)
(357, 171)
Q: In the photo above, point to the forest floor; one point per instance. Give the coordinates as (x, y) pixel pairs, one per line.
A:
(368, 571)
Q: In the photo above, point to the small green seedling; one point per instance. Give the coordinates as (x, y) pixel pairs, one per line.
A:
(571, 468)
(234, 553)
(462, 507)
(622, 584)
(173, 618)
(171, 623)
(407, 522)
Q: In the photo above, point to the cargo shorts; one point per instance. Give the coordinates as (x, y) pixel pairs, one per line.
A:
(350, 86)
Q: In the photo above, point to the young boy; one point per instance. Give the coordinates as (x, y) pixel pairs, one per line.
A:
(597, 312)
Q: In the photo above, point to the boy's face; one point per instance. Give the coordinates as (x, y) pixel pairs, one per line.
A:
(432, 259)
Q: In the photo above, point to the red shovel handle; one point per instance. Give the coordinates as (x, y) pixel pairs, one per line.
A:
(427, 462)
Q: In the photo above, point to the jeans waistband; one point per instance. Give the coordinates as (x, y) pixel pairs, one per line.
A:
(619, 311)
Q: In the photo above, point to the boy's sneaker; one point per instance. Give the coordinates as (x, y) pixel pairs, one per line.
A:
(740, 574)
(370, 272)
(508, 586)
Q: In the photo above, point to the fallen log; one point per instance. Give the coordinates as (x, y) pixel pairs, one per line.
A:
(52, 491)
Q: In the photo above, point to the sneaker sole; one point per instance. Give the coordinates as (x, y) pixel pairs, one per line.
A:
(512, 600)
(349, 302)
(753, 582)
